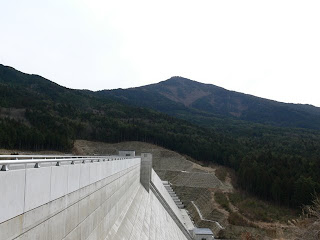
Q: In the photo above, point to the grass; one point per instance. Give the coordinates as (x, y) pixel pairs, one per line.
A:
(222, 200)
(221, 173)
(259, 210)
(236, 219)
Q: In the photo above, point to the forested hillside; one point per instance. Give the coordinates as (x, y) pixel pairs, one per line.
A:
(204, 104)
(274, 163)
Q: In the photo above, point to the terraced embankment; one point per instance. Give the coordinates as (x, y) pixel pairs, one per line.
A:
(191, 181)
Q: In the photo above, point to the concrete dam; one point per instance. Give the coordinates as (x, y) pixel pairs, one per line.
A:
(87, 198)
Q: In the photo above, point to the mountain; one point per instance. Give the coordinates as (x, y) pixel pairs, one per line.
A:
(36, 114)
(205, 103)
(281, 164)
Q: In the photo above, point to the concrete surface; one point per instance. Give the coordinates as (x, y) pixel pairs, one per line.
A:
(165, 194)
(146, 167)
(32, 196)
(37, 189)
(145, 218)
(12, 194)
(186, 220)
(91, 201)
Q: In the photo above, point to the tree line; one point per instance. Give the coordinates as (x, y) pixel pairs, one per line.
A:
(277, 164)
(281, 166)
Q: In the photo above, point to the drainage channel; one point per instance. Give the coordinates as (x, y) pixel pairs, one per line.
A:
(206, 220)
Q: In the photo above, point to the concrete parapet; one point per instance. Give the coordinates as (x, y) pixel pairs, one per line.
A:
(12, 194)
(48, 202)
(146, 168)
(90, 201)
(165, 194)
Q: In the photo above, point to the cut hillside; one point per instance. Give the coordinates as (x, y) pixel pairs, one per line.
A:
(25, 152)
(199, 186)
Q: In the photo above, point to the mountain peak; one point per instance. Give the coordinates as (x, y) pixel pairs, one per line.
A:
(179, 81)
(178, 78)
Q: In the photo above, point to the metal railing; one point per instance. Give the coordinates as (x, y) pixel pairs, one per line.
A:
(7, 160)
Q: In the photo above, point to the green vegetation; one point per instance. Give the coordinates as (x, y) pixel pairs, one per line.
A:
(221, 173)
(222, 200)
(236, 219)
(257, 210)
(16, 135)
(207, 105)
(274, 163)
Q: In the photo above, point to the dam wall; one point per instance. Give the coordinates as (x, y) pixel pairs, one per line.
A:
(88, 199)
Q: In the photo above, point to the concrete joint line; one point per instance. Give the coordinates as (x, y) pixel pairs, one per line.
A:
(136, 192)
(98, 208)
(203, 219)
(135, 219)
(53, 215)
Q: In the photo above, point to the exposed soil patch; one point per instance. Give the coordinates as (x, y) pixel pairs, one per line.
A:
(17, 114)
(22, 152)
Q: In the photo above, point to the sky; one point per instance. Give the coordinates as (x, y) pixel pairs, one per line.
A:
(269, 49)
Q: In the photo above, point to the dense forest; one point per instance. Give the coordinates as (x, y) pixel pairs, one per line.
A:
(275, 163)
(204, 104)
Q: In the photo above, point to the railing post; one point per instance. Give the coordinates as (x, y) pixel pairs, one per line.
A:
(5, 167)
(145, 170)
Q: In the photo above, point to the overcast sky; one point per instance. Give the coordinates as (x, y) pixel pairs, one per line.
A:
(267, 48)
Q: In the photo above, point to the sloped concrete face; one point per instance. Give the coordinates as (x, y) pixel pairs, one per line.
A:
(91, 201)
(144, 218)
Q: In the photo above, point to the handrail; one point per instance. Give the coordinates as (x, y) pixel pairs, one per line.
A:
(54, 158)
